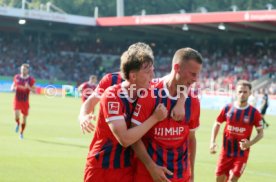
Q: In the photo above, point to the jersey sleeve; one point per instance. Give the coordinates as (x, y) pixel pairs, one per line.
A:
(222, 116)
(112, 106)
(32, 81)
(258, 123)
(195, 122)
(143, 110)
(103, 85)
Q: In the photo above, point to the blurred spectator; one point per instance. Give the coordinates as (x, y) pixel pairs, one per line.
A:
(59, 58)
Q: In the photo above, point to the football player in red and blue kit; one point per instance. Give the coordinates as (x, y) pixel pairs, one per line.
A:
(87, 108)
(23, 83)
(87, 88)
(110, 158)
(169, 145)
(240, 118)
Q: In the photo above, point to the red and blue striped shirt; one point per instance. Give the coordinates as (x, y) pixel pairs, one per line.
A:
(239, 125)
(167, 141)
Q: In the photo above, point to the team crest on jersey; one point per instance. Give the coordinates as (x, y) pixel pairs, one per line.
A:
(155, 80)
(113, 107)
(137, 110)
(246, 119)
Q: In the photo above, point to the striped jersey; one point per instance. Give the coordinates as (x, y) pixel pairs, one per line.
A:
(167, 141)
(107, 81)
(239, 125)
(105, 150)
(22, 95)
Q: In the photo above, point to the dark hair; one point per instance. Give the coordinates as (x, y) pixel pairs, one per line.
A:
(186, 54)
(245, 83)
(137, 56)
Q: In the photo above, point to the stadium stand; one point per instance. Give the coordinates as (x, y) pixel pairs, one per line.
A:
(64, 59)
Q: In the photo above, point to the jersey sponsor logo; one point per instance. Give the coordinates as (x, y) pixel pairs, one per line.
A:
(137, 110)
(113, 107)
(236, 129)
(172, 131)
(246, 119)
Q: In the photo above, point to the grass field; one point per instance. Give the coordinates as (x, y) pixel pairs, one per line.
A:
(54, 149)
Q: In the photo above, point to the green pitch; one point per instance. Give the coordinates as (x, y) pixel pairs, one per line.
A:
(54, 149)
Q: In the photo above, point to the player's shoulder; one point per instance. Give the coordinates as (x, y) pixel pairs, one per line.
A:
(114, 74)
(193, 95)
(157, 83)
(155, 91)
(112, 91)
(108, 78)
(254, 109)
(32, 78)
(227, 107)
(16, 76)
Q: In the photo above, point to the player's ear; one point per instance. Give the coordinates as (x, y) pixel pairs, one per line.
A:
(132, 75)
(176, 68)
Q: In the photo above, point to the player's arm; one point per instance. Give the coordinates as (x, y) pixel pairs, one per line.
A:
(127, 137)
(31, 85)
(158, 173)
(245, 144)
(87, 113)
(214, 134)
(87, 108)
(192, 152)
(13, 87)
(31, 88)
(178, 111)
(193, 126)
(220, 119)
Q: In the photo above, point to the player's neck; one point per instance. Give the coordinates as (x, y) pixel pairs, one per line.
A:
(129, 89)
(171, 85)
(24, 75)
(241, 104)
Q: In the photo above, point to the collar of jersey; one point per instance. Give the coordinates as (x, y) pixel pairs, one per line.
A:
(24, 77)
(241, 108)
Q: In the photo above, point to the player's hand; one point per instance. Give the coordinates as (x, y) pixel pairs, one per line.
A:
(27, 86)
(158, 173)
(244, 144)
(161, 112)
(178, 112)
(213, 148)
(85, 123)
